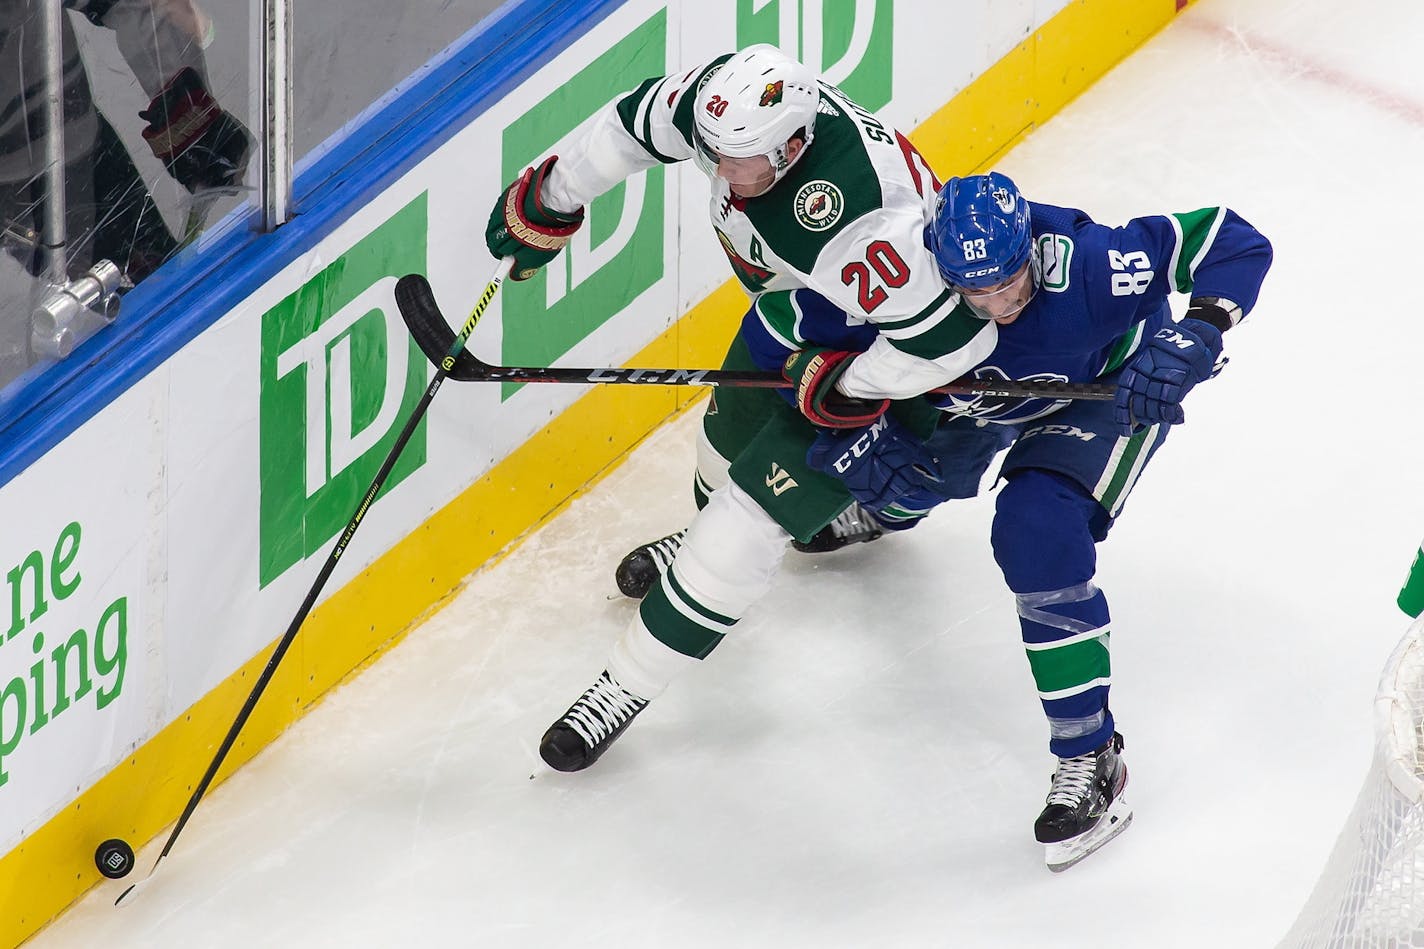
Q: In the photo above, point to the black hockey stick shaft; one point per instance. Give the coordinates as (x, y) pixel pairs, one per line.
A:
(433, 334)
(753, 379)
(404, 287)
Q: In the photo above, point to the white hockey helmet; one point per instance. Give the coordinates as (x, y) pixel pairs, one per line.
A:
(752, 106)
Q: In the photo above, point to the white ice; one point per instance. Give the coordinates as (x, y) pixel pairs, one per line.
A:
(861, 761)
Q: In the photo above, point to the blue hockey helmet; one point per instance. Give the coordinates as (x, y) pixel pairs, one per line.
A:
(981, 235)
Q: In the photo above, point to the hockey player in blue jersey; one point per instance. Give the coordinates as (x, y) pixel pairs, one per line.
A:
(1075, 301)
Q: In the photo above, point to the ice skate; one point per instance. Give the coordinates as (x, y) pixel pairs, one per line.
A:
(1086, 807)
(590, 725)
(645, 565)
(851, 526)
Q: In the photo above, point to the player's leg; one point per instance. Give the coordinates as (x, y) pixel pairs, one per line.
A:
(727, 560)
(733, 417)
(1045, 528)
(730, 421)
(1067, 479)
(729, 554)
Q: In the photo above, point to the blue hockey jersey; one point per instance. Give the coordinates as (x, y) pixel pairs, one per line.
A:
(1102, 291)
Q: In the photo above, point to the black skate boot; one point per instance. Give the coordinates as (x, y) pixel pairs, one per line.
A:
(851, 526)
(1086, 807)
(590, 725)
(645, 565)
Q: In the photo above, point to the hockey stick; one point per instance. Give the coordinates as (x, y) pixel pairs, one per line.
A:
(426, 323)
(442, 367)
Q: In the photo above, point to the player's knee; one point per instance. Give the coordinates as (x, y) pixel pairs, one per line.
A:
(731, 552)
(1043, 532)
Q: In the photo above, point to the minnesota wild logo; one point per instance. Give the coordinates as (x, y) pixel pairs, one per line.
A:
(754, 278)
(771, 95)
(818, 205)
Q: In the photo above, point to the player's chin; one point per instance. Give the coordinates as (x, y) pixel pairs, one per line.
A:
(753, 189)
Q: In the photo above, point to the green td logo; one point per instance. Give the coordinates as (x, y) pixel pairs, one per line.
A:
(340, 375)
(848, 41)
(619, 252)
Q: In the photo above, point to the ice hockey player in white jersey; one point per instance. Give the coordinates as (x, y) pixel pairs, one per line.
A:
(817, 205)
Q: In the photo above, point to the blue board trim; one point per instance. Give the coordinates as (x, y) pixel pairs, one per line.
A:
(190, 293)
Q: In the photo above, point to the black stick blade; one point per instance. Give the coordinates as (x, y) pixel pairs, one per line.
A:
(422, 316)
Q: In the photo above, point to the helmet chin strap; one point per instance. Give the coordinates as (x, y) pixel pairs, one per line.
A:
(781, 163)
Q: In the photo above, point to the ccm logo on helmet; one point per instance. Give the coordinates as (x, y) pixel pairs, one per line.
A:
(981, 273)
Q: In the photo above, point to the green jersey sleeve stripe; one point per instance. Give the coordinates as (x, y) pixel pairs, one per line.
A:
(635, 112)
(781, 317)
(682, 115)
(647, 110)
(1197, 230)
(910, 324)
(951, 332)
(1125, 346)
(1175, 263)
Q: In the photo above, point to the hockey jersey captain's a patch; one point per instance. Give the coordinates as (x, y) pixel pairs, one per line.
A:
(819, 205)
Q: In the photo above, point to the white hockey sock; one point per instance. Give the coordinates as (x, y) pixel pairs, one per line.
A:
(727, 561)
(712, 468)
(641, 664)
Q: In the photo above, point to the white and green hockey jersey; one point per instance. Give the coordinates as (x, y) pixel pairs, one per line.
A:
(846, 221)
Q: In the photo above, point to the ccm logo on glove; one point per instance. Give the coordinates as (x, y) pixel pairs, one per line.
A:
(1175, 338)
(861, 445)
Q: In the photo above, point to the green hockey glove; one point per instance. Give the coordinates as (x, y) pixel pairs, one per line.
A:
(815, 372)
(520, 226)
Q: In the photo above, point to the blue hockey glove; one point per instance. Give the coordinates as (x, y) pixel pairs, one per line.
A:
(881, 465)
(1157, 379)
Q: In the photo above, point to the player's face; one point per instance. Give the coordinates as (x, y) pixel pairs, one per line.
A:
(751, 177)
(747, 177)
(1004, 301)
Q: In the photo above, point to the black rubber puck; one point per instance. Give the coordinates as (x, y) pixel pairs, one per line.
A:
(114, 858)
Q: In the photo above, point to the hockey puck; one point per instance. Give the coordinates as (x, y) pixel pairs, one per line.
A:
(114, 858)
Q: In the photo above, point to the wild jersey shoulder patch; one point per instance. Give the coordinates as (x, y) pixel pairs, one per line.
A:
(818, 205)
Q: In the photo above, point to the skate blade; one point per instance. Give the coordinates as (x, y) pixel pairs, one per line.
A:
(1066, 853)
